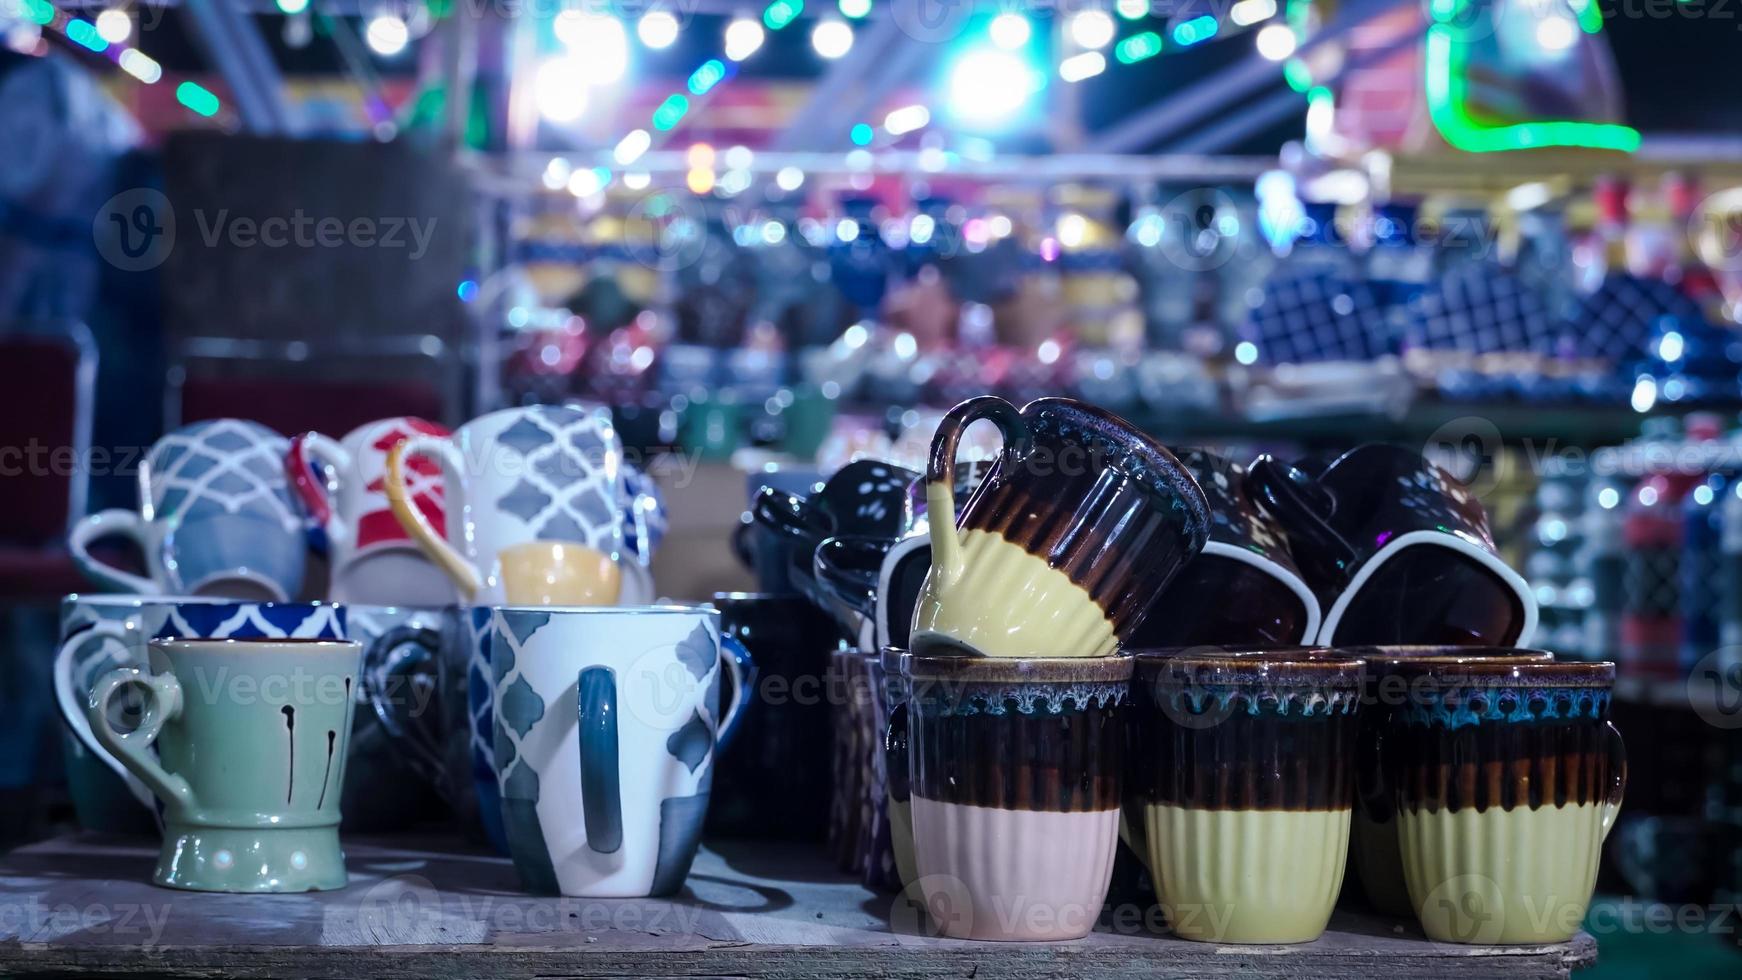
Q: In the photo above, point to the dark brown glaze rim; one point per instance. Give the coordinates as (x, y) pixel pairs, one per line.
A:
(958, 685)
(1275, 667)
(1383, 658)
(1462, 671)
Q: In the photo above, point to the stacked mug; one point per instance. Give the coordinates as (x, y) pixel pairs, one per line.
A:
(228, 712)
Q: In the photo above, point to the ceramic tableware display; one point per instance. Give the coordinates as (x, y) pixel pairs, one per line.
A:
(343, 486)
(604, 740)
(250, 738)
(785, 728)
(1015, 770)
(532, 502)
(1078, 527)
(1242, 780)
(1507, 778)
(216, 517)
(899, 583)
(1373, 854)
(1398, 551)
(866, 498)
(859, 832)
(1244, 589)
(100, 633)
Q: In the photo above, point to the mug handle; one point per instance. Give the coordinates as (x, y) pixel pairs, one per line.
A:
(71, 703)
(411, 516)
(1617, 777)
(735, 660)
(316, 494)
(788, 515)
(743, 545)
(114, 522)
(940, 471)
(388, 658)
(1302, 504)
(132, 749)
(601, 789)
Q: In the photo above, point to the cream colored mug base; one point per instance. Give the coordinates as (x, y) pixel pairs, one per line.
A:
(1247, 876)
(1500, 877)
(1008, 603)
(1012, 875)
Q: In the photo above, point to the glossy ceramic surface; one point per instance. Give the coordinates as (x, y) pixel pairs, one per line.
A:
(216, 517)
(604, 736)
(1081, 523)
(250, 742)
(343, 486)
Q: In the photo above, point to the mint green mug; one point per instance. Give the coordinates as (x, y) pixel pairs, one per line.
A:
(251, 738)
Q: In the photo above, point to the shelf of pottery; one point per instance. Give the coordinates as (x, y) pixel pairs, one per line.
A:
(1059, 685)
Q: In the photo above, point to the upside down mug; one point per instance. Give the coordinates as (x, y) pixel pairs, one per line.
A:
(373, 558)
(1080, 524)
(251, 739)
(534, 506)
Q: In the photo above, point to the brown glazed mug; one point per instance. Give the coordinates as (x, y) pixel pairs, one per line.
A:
(1244, 589)
(1506, 777)
(1397, 550)
(1373, 855)
(1014, 776)
(1241, 787)
(1080, 524)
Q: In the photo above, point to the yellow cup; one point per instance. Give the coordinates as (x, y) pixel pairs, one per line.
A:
(558, 573)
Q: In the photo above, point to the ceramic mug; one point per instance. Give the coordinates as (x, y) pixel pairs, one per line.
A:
(389, 784)
(545, 473)
(1242, 782)
(867, 498)
(1244, 588)
(1080, 524)
(216, 517)
(1014, 773)
(605, 729)
(100, 633)
(1397, 551)
(251, 738)
(343, 486)
(1506, 777)
(1373, 855)
(898, 802)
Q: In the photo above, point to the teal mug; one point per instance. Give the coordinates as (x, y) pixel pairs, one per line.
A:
(251, 738)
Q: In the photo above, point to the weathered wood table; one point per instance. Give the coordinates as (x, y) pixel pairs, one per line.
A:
(433, 908)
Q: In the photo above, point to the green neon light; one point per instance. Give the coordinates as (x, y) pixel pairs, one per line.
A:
(1298, 76)
(781, 13)
(39, 11)
(1446, 88)
(707, 76)
(197, 97)
(862, 134)
(670, 112)
(1137, 47)
(1590, 17)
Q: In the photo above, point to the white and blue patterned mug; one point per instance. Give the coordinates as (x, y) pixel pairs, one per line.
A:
(605, 728)
(99, 633)
(216, 517)
(520, 476)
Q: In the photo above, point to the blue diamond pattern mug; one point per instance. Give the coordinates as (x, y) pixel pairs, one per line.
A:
(532, 494)
(604, 733)
(216, 517)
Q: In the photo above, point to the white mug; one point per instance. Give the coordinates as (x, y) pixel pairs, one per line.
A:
(543, 473)
(373, 558)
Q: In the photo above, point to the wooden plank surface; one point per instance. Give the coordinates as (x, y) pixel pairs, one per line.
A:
(434, 908)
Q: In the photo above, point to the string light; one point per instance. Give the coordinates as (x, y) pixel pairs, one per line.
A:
(1092, 29)
(907, 119)
(387, 35)
(743, 37)
(197, 97)
(1138, 47)
(831, 39)
(1010, 31)
(856, 9)
(114, 26)
(657, 29)
(1249, 12)
(1077, 67)
(1276, 41)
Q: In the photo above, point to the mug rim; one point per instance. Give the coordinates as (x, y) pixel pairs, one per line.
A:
(648, 609)
(965, 668)
(299, 642)
(1505, 670)
(1389, 656)
(1252, 666)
